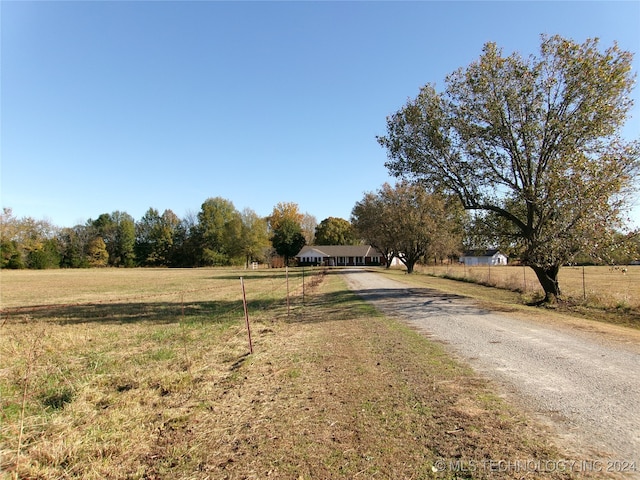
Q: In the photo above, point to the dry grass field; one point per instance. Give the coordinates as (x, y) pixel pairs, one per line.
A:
(145, 374)
(615, 291)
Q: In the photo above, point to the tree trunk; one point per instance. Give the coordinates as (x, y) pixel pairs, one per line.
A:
(410, 264)
(548, 278)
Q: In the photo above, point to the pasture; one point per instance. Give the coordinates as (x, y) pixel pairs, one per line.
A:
(609, 288)
(115, 373)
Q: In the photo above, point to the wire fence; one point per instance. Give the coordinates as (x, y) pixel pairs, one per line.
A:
(598, 285)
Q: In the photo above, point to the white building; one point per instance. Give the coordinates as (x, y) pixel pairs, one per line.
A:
(486, 257)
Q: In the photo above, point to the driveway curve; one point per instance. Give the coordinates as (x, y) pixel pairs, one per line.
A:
(585, 387)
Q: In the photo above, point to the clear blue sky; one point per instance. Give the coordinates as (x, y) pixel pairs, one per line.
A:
(129, 105)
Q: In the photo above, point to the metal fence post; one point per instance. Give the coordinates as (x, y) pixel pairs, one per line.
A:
(246, 314)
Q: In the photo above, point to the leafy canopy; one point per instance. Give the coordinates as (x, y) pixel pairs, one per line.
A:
(408, 222)
(288, 239)
(533, 144)
(335, 231)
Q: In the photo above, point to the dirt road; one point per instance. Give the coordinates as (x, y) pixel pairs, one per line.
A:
(584, 385)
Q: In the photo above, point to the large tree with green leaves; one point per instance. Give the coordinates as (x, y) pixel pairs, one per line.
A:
(287, 239)
(531, 144)
(373, 224)
(74, 244)
(155, 237)
(254, 240)
(285, 211)
(186, 249)
(97, 254)
(409, 222)
(335, 231)
(219, 230)
(118, 231)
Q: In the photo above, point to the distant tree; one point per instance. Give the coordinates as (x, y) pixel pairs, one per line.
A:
(166, 235)
(410, 222)
(335, 231)
(9, 225)
(219, 228)
(186, 250)
(74, 243)
(254, 238)
(97, 254)
(118, 232)
(28, 243)
(10, 252)
(421, 223)
(155, 236)
(146, 232)
(285, 211)
(10, 255)
(448, 242)
(105, 229)
(104, 226)
(126, 238)
(533, 141)
(46, 255)
(373, 224)
(308, 226)
(288, 239)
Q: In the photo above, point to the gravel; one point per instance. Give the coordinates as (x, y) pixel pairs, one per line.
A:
(585, 386)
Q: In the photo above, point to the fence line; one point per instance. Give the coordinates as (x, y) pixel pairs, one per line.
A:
(606, 286)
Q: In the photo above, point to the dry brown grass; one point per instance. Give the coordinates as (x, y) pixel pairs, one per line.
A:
(603, 293)
(108, 285)
(145, 374)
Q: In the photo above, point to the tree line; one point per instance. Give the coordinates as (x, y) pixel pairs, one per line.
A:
(404, 221)
(220, 235)
(217, 235)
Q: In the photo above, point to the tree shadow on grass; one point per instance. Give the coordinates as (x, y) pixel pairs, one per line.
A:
(403, 302)
(128, 312)
(340, 305)
(343, 304)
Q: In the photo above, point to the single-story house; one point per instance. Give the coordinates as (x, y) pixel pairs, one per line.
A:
(339, 255)
(483, 257)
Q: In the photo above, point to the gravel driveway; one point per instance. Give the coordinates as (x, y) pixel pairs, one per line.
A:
(585, 386)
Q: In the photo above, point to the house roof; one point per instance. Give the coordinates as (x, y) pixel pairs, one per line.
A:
(338, 251)
(310, 251)
(481, 253)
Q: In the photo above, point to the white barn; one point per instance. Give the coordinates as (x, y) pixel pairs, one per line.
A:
(485, 257)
